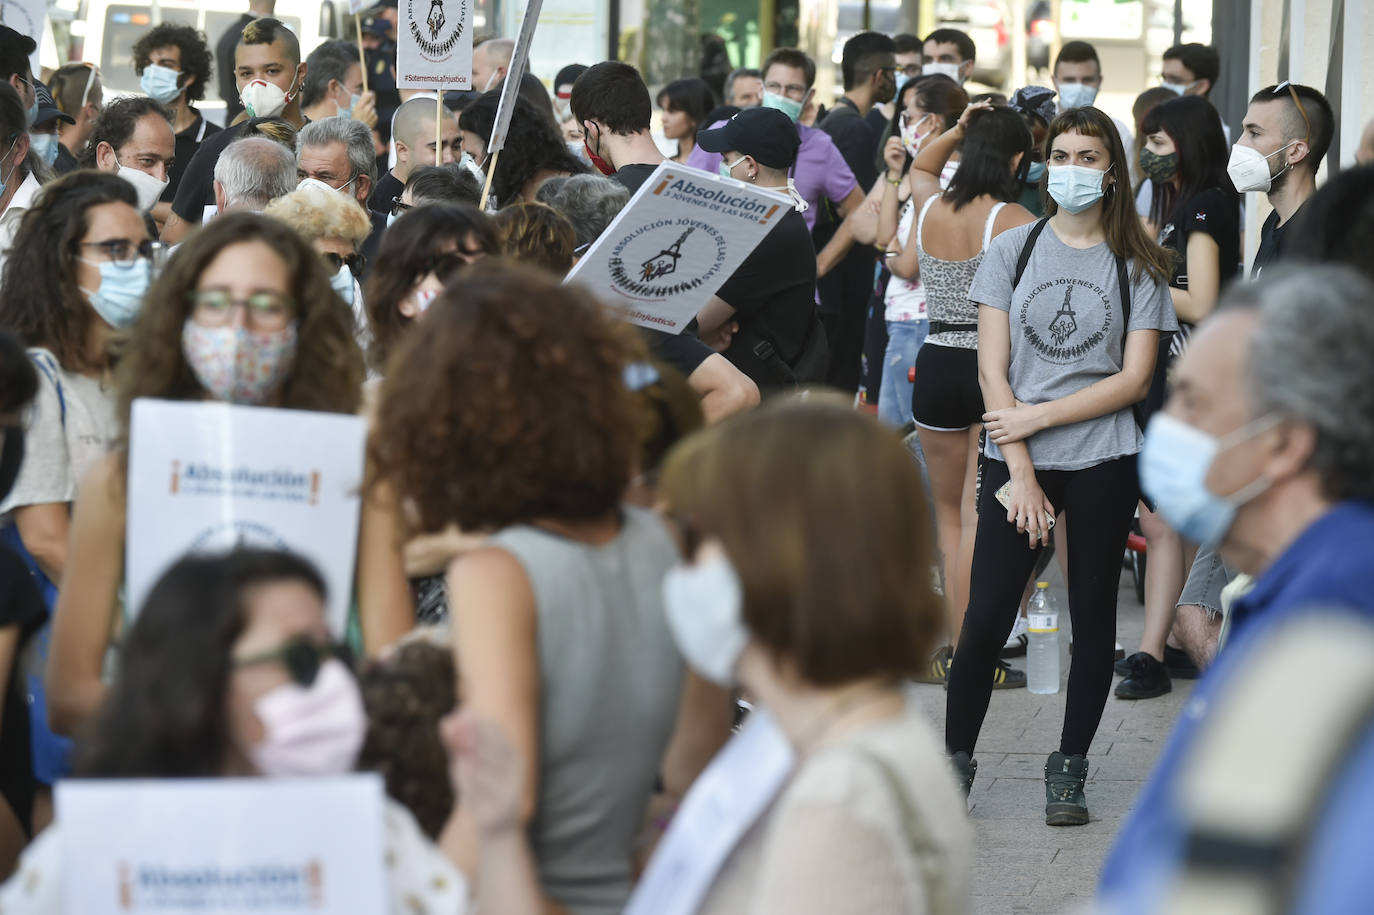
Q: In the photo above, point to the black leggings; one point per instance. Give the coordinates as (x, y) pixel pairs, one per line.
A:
(1099, 502)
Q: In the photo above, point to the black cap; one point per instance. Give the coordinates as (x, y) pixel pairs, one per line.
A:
(764, 133)
(47, 108)
(568, 75)
(377, 26)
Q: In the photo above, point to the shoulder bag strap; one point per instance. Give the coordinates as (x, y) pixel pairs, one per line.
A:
(1026, 249)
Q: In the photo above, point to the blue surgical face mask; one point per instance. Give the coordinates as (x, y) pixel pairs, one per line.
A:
(1076, 95)
(790, 107)
(725, 170)
(1075, 187)
(343, 283)
(44, 146)
(31, 114)
(121, 291)
(1174, 464)
(354, 100)
(1035, 172)
(160, 83)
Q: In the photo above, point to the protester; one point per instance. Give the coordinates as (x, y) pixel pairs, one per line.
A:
(22, 613)
(538, 235)
(927, 106)
(337, 154)
(1199, 212)
(490, 63)
(333, 85)
(611, 103)
(533, 151)
(908, 58)
(744, 88)
(589, 202)
(868, 820)
(15, 51)
(244, 313)
(173, 63)
(685, 103)
(76, 276)
(1258, 455)
(1059, 384)
(268, 73)
(1078, 79)
(251, 173)
(1190, 69)
(226, 52)
(419, 255)
(951, 53)
(18, 183)
(436, 184)
(1144, 103)
(413, 131)
(337, 230)
(569, 574)
(44, 136)
(562, 89)
(133, 139)
(946, 403)
(1036, 106)
(243, 638)
(763, 318)
(77, 90)
(1285, 135)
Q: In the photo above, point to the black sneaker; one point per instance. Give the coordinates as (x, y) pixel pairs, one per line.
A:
(964, 771)
(1004, 677)
(1179, 665)
(1064, 779)
(938, 672)
(1146, 679)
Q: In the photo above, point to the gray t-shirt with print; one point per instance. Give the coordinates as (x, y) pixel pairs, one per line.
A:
(1065, 318)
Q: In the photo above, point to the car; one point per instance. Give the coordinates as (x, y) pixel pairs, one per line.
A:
(1040, 34)
(987, 23)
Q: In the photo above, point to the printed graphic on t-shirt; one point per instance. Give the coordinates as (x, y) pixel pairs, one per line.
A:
(1066, 319)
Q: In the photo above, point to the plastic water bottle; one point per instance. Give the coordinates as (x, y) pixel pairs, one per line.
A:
(1042, 654)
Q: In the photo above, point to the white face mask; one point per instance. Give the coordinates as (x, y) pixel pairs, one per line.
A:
(265, 100)
(315, 730)
(148, 188)
(1180, 88)
(317, 184)
(1249, 168)
(343, 283)
(950, 70)
(704, 604)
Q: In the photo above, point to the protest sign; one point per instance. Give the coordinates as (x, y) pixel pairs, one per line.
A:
(204, 477)
(720, 807)
(355, 9)
(681, 236)
(219, 846)
(510, 89)
(27, 17)
(434, 44)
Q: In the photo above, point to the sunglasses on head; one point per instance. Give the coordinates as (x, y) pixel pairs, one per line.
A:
(302, 657)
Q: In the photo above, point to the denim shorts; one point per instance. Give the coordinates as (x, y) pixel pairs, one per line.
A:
(1206, 580)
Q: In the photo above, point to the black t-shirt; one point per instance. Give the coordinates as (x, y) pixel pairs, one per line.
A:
(856, 141)
(21, 605)
(197, 190)
(1271, 243)
(373, 242)
(773, 294)
(224, 57)
(65, 161)
(682, 351)
(632, 176)
(1215, 213)
(188, 141)
(388, 186)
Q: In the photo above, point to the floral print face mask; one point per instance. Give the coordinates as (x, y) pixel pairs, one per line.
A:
(237, 364)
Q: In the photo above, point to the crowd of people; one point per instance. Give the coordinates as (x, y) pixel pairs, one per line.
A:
(588, 551)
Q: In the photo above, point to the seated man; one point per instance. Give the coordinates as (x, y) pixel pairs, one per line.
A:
(1279, 473)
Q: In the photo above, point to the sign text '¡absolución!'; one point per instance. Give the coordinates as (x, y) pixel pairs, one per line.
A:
(718, 195)
(246, 885)
(276, 477)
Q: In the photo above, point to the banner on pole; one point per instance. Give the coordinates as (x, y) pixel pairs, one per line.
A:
(681, 236)
(223, 845)
(205, 477)
(434, 44)
(510, 89)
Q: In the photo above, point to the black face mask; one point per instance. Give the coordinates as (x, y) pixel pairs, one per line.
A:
(11, 457)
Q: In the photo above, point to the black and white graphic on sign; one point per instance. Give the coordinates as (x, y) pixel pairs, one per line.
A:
(437, 33)
(666, 258)
(665, 262)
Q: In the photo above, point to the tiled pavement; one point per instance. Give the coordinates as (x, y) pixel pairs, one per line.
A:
(1022, 865)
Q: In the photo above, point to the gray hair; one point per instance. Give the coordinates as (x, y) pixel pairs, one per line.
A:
(738, 74)
(1311, 361)
(589, 202)
(255, 171)
(354, 135)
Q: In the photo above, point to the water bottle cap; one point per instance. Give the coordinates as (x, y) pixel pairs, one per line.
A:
(1042, 586)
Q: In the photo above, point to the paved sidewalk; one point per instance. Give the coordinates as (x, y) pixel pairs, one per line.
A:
(1024, 866)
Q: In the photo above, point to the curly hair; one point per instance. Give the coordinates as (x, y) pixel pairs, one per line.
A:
(536, 234)
(316, 214)
(402, 260)
(532, 145)
(196, 59)
(327, 372)
(511, 407)
(406, 696)
(40, 300)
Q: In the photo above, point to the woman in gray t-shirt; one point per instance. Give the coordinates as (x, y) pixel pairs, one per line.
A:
(1063, 356)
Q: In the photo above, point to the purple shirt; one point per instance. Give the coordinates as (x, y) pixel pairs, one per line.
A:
(821, 172)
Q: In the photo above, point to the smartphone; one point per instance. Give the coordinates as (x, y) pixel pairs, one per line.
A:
(1003, 495)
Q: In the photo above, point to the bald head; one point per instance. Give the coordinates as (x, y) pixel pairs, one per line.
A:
(491, 62)
(412, 128)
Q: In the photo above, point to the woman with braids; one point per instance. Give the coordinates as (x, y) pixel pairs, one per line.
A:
(244, 314)
(534, 150)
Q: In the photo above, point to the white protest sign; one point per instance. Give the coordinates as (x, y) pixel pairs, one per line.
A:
(510, 89)
(204, 477)
(220, 846)
(681, 236)
(357, 6)
(27, 18)
(723, 803)
(434, 44)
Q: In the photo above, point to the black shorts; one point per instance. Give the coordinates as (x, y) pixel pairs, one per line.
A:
(946, 396)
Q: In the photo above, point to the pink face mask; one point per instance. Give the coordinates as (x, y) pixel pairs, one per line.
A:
(314, 730)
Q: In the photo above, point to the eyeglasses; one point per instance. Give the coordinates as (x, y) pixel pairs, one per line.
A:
(397, 207)
(124, 252)
(1278, 90)
(790, 89)
(911, 70)
(262, 310)
(301, 657)
(355, 262)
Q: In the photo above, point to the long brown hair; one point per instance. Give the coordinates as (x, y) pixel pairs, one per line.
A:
(1125, 235)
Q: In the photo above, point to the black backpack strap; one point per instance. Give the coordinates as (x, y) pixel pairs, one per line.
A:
(1125, 283)
(1026, 250)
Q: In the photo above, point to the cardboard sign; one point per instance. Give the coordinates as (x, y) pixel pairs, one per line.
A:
(204, 477)
(510, 89)
(722, 805)
(681, 236)
(434, 44)
(208, 846)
